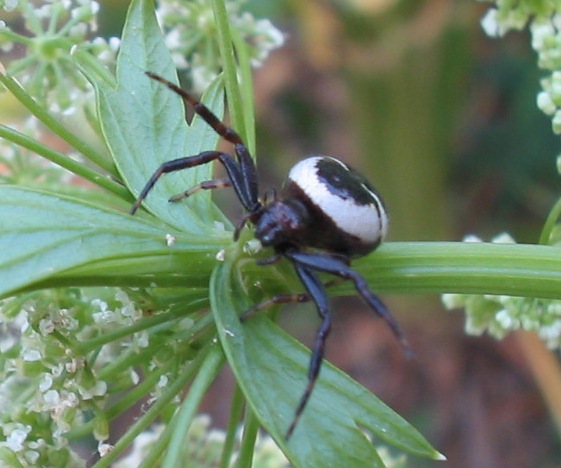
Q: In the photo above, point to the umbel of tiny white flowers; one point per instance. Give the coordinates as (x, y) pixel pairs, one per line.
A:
(500, 315)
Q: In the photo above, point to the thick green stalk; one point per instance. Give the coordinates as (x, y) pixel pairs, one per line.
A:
(462, 267)
(455, 267)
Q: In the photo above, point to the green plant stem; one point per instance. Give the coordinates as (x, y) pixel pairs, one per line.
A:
(132, 397)
(246, 90)
(51, 123)
(156, 409)
(247, 446)
(550, 223)
(145, 323)
(125, 361)
(461, 267)
(64, 161)
(138, 392)
(182, 421)
(94, 67)
(236, 412)
(224, 38)
(15, 37)
(396, 267)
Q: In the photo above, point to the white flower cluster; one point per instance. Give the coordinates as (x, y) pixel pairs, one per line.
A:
(498, 21)
(53, 31)
(546, 41)
(190, 35)
(544, 19)
(500, 314)
(47, 387)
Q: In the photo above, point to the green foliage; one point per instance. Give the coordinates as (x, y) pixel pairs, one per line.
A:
(338, 414)
(87, 355)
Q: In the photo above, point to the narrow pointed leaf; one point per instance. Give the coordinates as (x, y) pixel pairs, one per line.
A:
(144, 123)
(271, 368)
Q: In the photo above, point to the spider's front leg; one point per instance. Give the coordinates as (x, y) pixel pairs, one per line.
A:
(235, 176)
(296, 298)
(242, 174)
(173, 166)
(337, 267)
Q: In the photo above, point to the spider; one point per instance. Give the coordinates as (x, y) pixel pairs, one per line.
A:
(326, 214)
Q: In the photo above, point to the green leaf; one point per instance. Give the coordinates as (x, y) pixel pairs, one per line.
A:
(50, 240)
(144, 124)
(271, 368)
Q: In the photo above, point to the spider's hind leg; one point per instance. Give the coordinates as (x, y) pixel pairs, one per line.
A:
(242, 174)
(294, 298)
(316, 292)
(278, 299)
